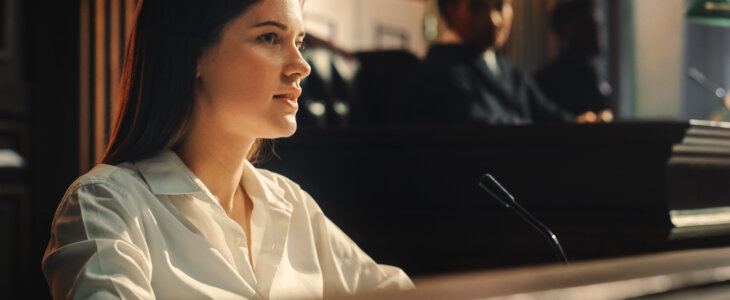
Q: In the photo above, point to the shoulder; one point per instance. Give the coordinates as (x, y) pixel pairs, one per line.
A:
(116, 188)
(122, 177)
(448, 65)
(105, 198)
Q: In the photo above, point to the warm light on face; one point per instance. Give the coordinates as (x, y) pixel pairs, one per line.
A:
(248, 82)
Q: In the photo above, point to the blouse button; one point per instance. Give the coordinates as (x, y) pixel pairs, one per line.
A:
(237, 241)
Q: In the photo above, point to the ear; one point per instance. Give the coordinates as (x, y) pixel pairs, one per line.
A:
(201, 64)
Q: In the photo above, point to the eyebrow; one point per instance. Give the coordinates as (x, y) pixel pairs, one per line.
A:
(275, 24)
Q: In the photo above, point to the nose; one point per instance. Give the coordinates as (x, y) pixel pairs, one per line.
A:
(297, 68)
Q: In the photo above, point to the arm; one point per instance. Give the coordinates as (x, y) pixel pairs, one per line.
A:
(349, 270)
(346, 269)
(542, 108)
(97, 249)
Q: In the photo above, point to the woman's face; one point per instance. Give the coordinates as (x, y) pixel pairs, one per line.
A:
(248, 83)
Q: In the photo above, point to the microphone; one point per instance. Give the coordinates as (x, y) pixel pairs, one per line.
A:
(489, 184)
(706, 83)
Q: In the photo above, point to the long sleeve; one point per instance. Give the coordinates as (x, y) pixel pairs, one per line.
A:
(542, 108)
(97, 249)
(349, 270)
(346, 268)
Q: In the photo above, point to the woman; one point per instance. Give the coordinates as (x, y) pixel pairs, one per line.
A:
(177, 210)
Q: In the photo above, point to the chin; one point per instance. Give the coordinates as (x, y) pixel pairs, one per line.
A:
(291, 131)
(279, 128)
(288, 127)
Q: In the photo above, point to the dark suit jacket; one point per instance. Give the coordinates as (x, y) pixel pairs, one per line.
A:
(456, 86)
(574, 85)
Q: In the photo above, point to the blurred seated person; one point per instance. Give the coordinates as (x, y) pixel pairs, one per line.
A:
(571, 80)
(467, 81)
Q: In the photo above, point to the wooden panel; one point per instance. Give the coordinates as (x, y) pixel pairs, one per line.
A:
(115, 58)
(104, 28)
(85, 85)
(100, 79)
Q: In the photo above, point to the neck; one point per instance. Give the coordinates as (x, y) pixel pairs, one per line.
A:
(217, 159)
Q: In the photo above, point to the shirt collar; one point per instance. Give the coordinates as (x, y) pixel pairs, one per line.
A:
(267, 189)
(166, 174)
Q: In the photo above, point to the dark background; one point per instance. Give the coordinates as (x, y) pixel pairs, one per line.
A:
(38, 108)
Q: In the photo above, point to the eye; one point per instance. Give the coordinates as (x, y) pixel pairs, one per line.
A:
(300, 45)
(268, 38)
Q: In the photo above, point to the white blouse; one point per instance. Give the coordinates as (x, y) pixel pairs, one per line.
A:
(151, 229)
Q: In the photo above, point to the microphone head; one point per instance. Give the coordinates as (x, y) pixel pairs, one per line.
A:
(492, 186)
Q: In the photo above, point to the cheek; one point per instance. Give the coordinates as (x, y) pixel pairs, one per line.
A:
(246, 77)
(262, 70)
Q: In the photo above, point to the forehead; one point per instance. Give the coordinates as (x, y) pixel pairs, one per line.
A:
(287, 12)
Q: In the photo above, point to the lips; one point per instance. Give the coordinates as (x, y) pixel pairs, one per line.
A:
(289, 96)
(285, 97)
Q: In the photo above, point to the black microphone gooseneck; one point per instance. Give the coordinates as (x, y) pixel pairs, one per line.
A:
(489, 184)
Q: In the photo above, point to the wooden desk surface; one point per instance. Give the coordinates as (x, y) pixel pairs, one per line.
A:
(619, 278)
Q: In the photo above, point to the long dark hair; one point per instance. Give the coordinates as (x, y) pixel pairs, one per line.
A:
(167, 39)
